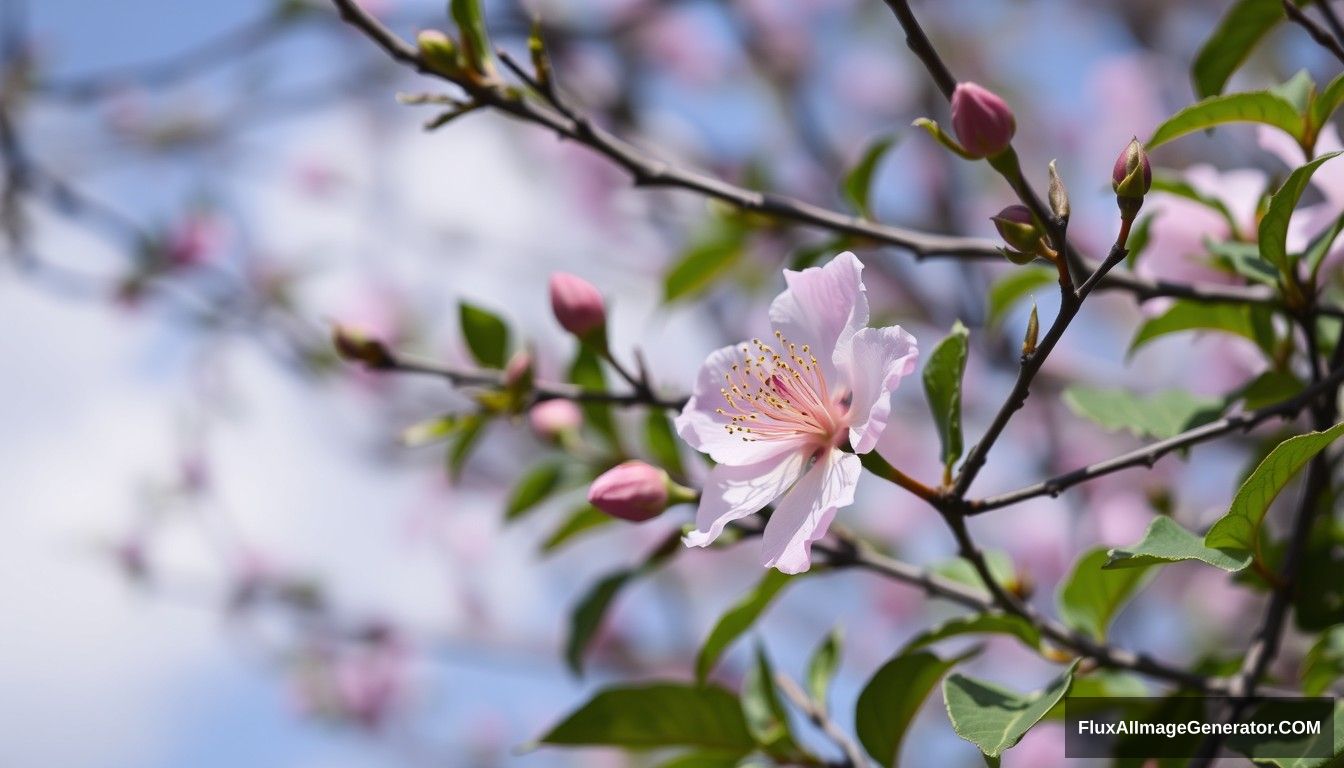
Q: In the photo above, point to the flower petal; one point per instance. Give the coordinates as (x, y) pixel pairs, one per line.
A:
(733, 492)
(706, 430)
(823, 307)
(806, 511)
(879, 359)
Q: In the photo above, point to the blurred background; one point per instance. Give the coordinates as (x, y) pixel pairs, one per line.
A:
(217, 552)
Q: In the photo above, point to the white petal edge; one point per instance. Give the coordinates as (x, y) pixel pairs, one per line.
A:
(733, 492)
(806, 511)
(823, 307)
(879, 359)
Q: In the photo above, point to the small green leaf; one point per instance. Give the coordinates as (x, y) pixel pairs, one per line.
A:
(1159, 415)
(936, 131)
(1194, 316)
(766, 717)
(1243, 259)
(1320, 245)
(486, 334)
(655, 716)
(858, 182)
(1239, 530)
(942, 385)
(822, 666)
(1269, 750)
(663, 443)
(586, 372)
(431, 431)
(891, 699)
(1016, 285)
(702, 760)
(1299, 90)
(705, 261)
(534, 487)
(581, 520)
(471, 25)
(1324, 663)
(1254, 107)
(994, 718)
(469, 432)
(1139, 238)
(1268, 388)
(1166, 541)
(1327, 101)
(1241, 28)
(962, 572)
(1274, 224)
(737, 620)
(980, 623)
(1090, 597)
(587, 615)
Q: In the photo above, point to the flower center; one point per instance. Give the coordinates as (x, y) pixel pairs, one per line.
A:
(783, 395)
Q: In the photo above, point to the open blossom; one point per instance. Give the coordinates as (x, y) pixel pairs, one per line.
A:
(783, 418)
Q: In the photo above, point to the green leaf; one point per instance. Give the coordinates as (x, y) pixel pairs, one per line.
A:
(940, 136)
(942, 385)
(433, 430)
(994, 718)
(1159, 415)
(1099, 684)
(663, 442)
(980, 623)
(1239, 529)
(738, 620)
(1016, 285)
(471, 25)
(1243, 259)
(1274, 224)
(586, 372)
(962, 572)
(1172, 184)
(470, 429)
(1254, 107)
(587, 615)
(859, 181)
(534, 487)
(704, 262)
(581, 520)
(1266, 750)
(822, 666)
(766, 717)
(702, 760)
(486, 334)
(1299, 90)
(1320, 246)
(1090, 597)
(1241, 28)
(657, 715)
(1139, 238)
(1324, 663)
(1166, 541)
(1327, 101)
(1194, 316)
(1268, 388)
(891, 699)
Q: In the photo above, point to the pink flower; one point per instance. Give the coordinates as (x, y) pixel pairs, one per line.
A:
(982, 121)
(632, 491)
(781, 419)
(577, 304)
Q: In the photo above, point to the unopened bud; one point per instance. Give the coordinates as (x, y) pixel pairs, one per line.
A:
(577, 305)
(518, 371)
(1018, 229)
(982, 121)
(1033, 332)
(633, 491)
(1131, 178)
(356, 347)
(1059, 195)
(439, 52)
(552, 419)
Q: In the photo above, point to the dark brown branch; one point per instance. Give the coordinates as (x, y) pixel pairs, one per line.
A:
(1148, 455)
(1317, 32)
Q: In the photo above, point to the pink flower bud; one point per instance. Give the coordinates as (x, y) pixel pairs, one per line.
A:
(1131, 159)
(518, 371)
(577, 304)
(1017, 227)
(982, 121)
(552, 418)
(632, 491)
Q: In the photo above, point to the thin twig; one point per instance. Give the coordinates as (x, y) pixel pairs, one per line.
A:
(854, 757)
(1317, 32)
